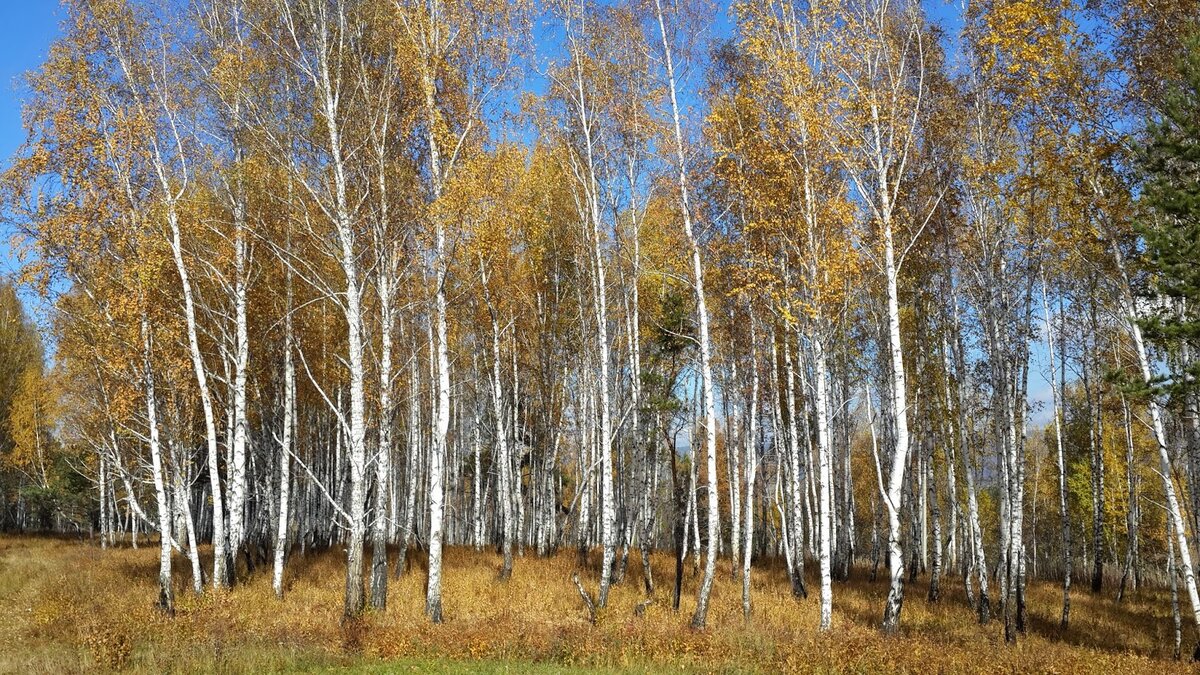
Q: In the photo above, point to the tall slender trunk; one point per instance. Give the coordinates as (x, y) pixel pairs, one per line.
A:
(979, 555)
(706, 377)
(1060, 462)
(241, 361)
(590, 213)
(102, 484)
(795, 462)
(183, 502)
(437, 451)
(502, 461)
(413, 451)
(285, 450)
(751, 469)
(433, 591)
(734, 477)
(355, 425)
(477, 485)
(219, 541)
(1173, 576)
(383, 462)
(1096, 435)
(825, 478)
(899, 395)
(166, 594)
(935, 571)
(608, 510)
(1131, 509)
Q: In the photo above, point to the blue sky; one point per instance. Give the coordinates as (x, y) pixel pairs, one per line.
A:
(26, 31)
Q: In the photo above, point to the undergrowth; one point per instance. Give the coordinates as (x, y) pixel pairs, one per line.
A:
(71, 607)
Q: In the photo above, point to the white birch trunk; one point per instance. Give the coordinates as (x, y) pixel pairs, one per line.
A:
(476, 497)
(237, 469)
(437, 451)
(328, 90)
(166, 595)
(751, 469)
(502, 461)
(183, 503)
(102, 484)
(899, 395)
(220, 552)
(825, 477)
(586, 175)
(706, 377)
(285, 455)
(383, 461)
(795, 462)
(1056, 397)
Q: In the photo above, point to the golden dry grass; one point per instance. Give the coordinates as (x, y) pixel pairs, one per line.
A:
(71, 607)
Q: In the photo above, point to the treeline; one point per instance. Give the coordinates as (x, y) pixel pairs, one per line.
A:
(846, 287)
(43, 486)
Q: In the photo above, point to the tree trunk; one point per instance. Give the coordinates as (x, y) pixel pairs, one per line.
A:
(285, 454)
(1056, 396)
(383, 461)
(504, 496)
(219, 541)
(825, 478)
(899, 395)
(1174, 513)
(751, 469)
(166, 594)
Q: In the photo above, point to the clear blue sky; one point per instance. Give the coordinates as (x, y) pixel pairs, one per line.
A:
(27, 27)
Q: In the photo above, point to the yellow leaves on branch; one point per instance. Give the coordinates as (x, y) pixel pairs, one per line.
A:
(1025, 45)
(32, 411)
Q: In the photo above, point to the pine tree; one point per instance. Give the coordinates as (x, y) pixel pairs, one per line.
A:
(1170, 224)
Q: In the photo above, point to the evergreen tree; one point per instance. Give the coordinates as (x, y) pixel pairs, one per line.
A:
(1170, 224)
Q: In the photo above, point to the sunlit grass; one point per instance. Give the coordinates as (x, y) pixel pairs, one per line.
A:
(70, 607)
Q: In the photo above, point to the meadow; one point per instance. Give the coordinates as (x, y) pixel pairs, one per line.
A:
(69, 606)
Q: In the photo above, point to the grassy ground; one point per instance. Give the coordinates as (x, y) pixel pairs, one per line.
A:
(69, 607)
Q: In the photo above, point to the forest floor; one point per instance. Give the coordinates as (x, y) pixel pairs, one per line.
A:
(68, 606)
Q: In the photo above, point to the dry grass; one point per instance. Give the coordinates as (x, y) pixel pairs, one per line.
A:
(71, 607)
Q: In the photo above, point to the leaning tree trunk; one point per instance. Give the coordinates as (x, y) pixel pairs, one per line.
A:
(1174, 513)
(219, 541)
(706, 376)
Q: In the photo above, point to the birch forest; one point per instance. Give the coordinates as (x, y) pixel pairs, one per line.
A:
(702, 312)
